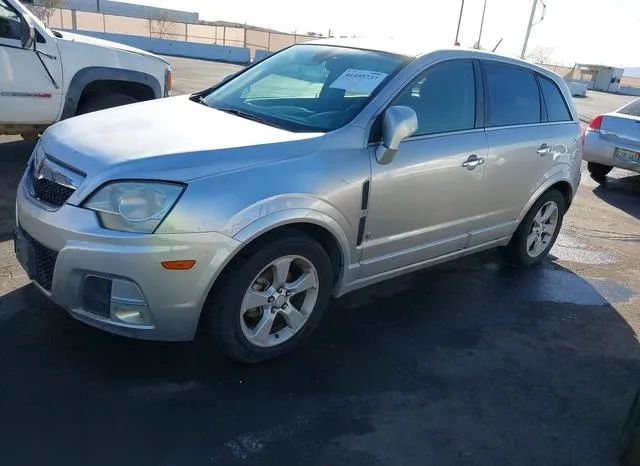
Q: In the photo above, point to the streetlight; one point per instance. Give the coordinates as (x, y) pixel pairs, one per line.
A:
(531, 24)
(456, 43)
(481, 24)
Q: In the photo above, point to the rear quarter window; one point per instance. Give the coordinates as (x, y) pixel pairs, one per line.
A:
(514, 96)
(557, 109)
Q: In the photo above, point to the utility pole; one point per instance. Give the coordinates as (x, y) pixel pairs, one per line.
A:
(531, 24)
(481, 24)
(456, 43)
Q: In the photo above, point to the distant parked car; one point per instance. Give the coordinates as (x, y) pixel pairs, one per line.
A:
(613, 140)
(324, 168)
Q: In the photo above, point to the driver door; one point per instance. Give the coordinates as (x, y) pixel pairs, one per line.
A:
(425, 203)
(27, 93)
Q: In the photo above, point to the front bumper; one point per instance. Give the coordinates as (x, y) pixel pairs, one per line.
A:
(115, 280)
(600, 150)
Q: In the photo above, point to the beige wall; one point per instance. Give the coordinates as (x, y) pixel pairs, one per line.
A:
(124, 25)
(279, 41)
(61, 19)
(200, 33)
(629, 81)
(90, 21)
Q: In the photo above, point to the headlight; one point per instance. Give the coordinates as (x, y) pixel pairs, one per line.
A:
(137, 207)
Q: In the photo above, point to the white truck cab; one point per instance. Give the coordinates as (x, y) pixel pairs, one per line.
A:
(47, 76)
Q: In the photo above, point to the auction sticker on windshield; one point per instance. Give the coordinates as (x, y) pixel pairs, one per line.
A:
(359, 80)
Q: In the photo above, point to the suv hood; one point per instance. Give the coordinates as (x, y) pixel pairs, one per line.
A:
(81, 39)
(170, 139)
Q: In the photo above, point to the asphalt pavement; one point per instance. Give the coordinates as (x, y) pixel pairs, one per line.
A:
(471, 363)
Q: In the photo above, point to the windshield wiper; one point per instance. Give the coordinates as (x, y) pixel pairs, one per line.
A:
(248, 116)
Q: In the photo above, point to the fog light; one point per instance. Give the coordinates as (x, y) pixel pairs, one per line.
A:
(130, 314)
(128, 304)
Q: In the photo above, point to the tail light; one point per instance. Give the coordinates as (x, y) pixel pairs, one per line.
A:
(595, 124)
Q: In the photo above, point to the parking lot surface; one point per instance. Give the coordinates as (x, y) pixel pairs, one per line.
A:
(471, 363)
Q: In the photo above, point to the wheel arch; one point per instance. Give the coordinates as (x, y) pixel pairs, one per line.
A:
(561, 183)
(316, 224)
(87, 77)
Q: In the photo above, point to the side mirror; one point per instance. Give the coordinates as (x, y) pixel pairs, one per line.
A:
(27, 32)
(399, 123)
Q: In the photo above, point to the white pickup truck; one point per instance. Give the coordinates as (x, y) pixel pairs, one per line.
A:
(47, 76)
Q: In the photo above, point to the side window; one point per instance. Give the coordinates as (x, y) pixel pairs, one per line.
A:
(9, 22)
(556, 106)
(444, 98)
(514, 97)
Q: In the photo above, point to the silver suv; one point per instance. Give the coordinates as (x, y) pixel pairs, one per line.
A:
(325, 168)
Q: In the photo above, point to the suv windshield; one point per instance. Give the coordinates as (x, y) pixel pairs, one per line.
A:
(307, 88)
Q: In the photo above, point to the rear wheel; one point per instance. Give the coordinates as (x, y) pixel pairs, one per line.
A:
(270, 299)
(598, 171)
(537, 232)
(104, 101)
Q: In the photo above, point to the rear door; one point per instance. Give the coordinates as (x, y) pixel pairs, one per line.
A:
(520, 144)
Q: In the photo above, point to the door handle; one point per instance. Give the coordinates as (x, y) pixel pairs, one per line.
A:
(544, 149)
(472, 162)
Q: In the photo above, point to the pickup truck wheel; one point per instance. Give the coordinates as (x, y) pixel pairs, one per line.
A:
(537, 232)
(104, 101)
(598, 171)
(270, 299)
(31, 136)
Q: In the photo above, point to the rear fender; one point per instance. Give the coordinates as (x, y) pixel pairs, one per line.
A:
(559, 173)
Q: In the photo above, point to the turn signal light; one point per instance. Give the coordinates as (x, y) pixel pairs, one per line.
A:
(178, 265)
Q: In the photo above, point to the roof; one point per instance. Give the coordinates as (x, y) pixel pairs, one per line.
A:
(409, 49)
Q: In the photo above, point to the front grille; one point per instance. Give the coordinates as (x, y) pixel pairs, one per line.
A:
(45, 262)
(49, 191)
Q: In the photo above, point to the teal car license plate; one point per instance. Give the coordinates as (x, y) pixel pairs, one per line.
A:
(627, 156)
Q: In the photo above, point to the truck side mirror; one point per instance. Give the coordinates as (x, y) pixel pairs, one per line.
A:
(399, 123)
(27, 32)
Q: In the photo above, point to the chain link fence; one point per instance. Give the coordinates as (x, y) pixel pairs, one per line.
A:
(203, 32)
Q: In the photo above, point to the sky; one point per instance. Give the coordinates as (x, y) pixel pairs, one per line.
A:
(585, 31)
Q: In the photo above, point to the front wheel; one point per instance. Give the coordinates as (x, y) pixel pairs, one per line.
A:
(105, 101)
(537, 232)
(270, 299)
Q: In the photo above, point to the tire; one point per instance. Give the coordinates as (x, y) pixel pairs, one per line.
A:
(518, 252)
(630, 429)
(105, 101)
(228, 320)
(598, 171)
(31, 136)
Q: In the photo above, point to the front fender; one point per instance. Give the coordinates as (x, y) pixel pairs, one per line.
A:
(281, 218)
(86, 76)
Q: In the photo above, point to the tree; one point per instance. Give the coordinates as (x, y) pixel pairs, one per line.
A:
(540, 54)
(45, 9)
(160, 24)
